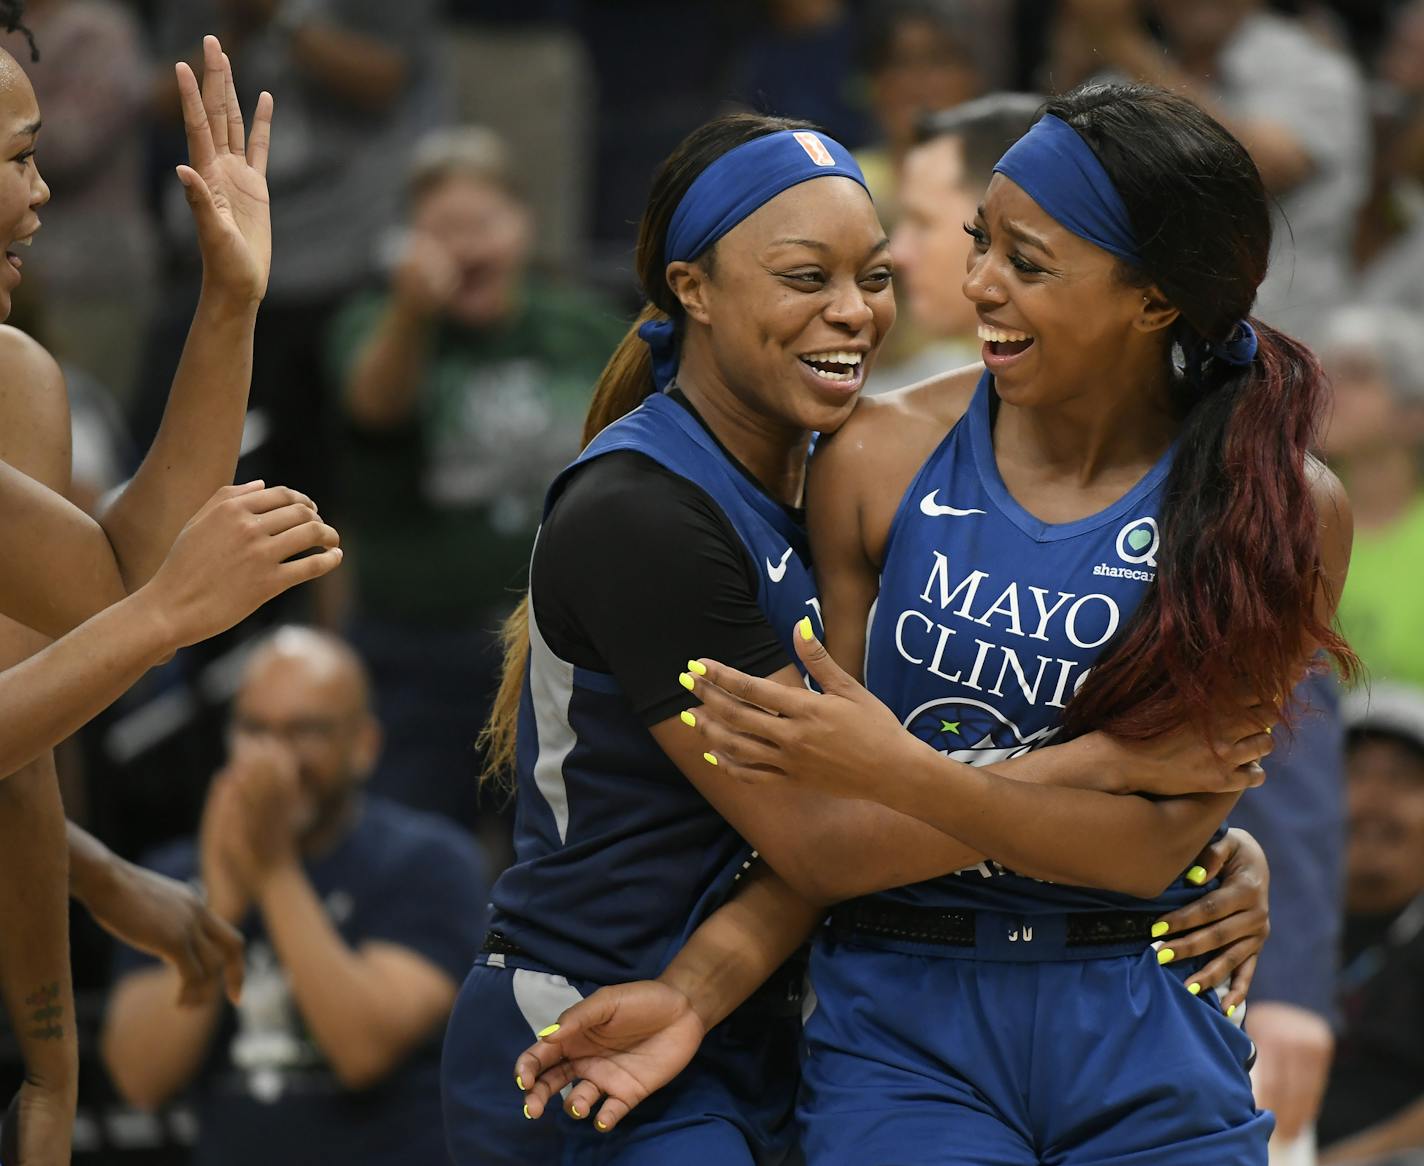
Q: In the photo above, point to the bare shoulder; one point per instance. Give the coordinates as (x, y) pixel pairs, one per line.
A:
(924, 411)
(34, 410)
(869, 463)
(1326, 490)
(1336, 523)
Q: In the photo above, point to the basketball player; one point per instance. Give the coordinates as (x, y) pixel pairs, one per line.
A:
(227, 549)
(769, 282)
(999, 530)
(158, 575)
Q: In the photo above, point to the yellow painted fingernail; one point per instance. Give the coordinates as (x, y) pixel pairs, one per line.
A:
(688, 719)
(685, 680)
(527, 1114)
(707, 757)
(573, 1109)
(1231, 1009)
(1194, 988)
(543, 1032)
(1270, 729)
(1160, 928)
(598, 1125)
(1197, 875)
(697, 666)
(518, 1080)
(1166, 956)
(804, 627)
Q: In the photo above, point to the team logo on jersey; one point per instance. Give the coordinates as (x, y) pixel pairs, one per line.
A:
(932, 509)
(972, 732)
(776, 572)
(1137, 544)
(815, 148)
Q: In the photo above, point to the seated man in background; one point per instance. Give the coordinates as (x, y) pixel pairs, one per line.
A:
(361, 918)
(1374, 1105)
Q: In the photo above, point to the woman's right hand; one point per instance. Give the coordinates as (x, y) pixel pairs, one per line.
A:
(620, 1045)
(1186, 762)
(232, 556)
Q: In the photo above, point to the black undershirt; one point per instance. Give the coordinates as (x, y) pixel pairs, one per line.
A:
(637, 570)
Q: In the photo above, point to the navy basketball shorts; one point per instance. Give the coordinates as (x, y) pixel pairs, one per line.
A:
(945, 1058)
(732, 1106)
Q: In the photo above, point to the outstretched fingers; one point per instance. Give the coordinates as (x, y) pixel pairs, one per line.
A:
(260, 141)
(236, 133)
(201, 150)
(215, 93)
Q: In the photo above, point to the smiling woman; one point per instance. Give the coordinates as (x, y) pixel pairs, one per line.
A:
(768, 283)
(22, 191)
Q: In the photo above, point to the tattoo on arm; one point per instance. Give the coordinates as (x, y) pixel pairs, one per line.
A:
(45, 1012)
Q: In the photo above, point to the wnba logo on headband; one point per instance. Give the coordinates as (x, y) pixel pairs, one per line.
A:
(815, 148)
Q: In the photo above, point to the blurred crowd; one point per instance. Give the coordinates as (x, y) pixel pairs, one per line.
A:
(455, 185)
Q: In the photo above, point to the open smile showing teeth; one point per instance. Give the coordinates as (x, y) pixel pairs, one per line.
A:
(834, 366)
(1004, 341)
(14, 259)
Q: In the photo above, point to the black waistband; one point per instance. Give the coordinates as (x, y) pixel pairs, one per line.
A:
(951, 927)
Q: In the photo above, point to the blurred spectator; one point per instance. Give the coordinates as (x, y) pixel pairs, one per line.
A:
(1298, 818)
(465, 385)
(802, 65)
(1296, 103)
(919, 58)
(361, 918)
(94, 264)
(941, 185)
(1374, 1107)
(1391, 235)
(1375, 358)
(355, 81)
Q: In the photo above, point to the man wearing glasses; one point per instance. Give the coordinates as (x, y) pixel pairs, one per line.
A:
(361, 919)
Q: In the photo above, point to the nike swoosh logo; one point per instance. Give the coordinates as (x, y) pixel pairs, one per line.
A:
(778, 572)
(931, 509)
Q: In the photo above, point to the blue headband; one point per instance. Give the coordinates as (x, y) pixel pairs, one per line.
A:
(733, 187)
(1056, 168)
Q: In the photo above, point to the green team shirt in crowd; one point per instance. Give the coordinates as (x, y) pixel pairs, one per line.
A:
(440, 511)
(1382, 608)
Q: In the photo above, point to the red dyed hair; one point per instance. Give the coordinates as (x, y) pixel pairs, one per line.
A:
(1235, 608)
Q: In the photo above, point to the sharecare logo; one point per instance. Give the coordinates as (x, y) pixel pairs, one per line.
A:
(815, 148)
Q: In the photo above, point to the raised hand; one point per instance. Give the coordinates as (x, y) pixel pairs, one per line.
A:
(231, 558)
(165, 918)
(226, 179)
(620, 1045)
(1232, 921)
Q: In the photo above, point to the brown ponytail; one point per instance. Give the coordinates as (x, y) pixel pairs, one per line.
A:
(627, 378)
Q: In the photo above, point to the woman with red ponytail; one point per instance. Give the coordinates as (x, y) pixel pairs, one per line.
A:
(1116, 524)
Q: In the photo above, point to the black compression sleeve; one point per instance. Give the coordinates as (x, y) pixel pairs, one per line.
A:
(636, 571)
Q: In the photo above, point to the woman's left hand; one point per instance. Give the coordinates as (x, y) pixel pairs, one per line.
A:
(1232, 921)
(840, 741)
(226, 180)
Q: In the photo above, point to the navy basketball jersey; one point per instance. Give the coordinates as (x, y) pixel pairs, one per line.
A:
(618, 857)
(987, 622)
